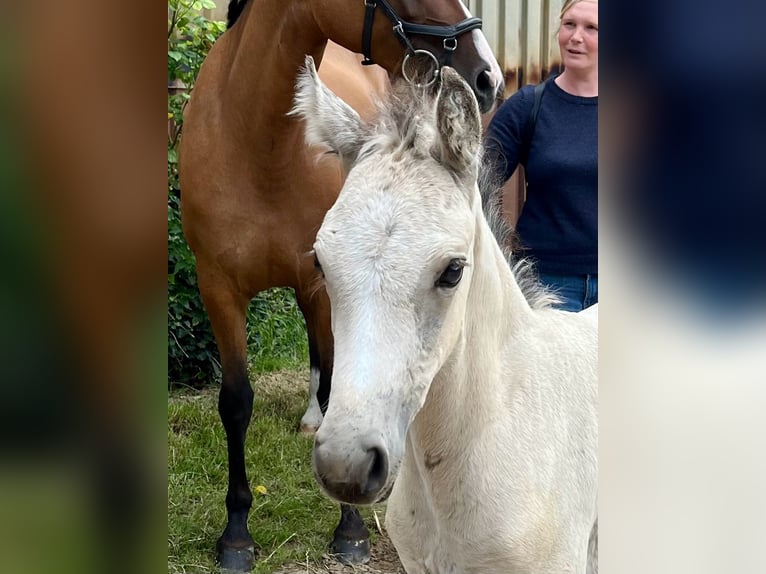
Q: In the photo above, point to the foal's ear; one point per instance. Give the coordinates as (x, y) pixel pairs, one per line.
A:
(458, 124)
(330, 121)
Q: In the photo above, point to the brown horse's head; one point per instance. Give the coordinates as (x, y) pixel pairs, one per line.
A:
(387, 31)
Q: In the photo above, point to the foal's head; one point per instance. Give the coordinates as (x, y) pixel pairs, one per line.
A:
(396, 253)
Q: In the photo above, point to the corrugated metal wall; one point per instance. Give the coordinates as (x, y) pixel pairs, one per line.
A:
(522, 34)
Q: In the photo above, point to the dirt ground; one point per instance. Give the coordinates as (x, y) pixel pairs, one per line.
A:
(383, 560)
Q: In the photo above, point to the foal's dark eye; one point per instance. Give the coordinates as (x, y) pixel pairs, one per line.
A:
(451, 276)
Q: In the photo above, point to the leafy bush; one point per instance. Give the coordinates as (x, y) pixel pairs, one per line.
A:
(276, 332)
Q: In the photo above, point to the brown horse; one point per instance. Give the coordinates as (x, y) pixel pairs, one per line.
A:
(253, 195)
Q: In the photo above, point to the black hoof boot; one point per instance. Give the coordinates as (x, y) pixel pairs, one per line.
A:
(235, 559)
(351, 551)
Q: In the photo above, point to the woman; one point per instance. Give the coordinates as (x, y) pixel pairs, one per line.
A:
(558, 225)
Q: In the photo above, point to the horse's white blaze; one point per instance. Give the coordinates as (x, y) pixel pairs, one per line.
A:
(485, 52)
(481, 408)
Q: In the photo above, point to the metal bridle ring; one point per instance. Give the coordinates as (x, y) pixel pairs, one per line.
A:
(411, 80)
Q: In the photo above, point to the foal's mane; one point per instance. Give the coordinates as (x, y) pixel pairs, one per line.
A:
(405, 121)
(234, 11)
(537, 295)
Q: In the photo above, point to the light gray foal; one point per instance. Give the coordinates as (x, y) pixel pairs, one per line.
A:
(475, 411)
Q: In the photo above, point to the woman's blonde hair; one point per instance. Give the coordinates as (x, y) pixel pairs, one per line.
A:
(569, 3)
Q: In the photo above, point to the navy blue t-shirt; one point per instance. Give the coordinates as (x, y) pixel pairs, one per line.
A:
(558, 226)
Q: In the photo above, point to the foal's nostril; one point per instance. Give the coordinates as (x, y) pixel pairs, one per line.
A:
(377, 472)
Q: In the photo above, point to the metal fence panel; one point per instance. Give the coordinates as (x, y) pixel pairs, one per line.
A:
(522, 35)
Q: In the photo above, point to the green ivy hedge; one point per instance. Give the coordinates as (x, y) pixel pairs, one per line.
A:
(276, 331)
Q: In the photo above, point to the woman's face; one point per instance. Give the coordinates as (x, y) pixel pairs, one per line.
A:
(578, 37)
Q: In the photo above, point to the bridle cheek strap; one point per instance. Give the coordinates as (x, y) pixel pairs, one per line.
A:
(369, 19)
(403, 29)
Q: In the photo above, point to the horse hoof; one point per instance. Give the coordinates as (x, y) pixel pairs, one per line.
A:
(236, 560)
(351, 551)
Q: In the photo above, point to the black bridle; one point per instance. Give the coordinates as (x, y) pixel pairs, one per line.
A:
(403, 29)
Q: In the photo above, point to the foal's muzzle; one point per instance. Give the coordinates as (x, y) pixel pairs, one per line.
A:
(353, 473)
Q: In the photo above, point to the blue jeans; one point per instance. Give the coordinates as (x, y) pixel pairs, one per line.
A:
(577, 292)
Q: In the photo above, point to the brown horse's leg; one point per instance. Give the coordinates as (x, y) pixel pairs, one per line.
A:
(351, 539)
(235, 549)
(316, 311)
(326, 350)
(313, 417)
(315, 307)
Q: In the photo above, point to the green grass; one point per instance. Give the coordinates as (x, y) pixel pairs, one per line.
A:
(276, 332)
(291, 522)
